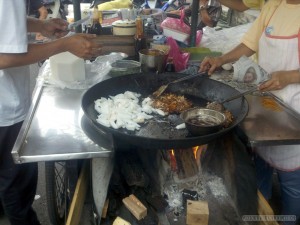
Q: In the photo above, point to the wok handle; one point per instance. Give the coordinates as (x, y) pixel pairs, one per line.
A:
(188, 77)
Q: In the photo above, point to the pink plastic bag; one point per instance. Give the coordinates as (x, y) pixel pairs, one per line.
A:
(180, 58)
(176, 24)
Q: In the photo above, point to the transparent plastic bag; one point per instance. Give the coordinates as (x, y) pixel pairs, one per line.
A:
(94, 72)
(223, 40)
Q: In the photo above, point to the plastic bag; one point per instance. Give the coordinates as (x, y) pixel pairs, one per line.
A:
(94, 72)
(223, 40)
(180, 58)
(177, 24)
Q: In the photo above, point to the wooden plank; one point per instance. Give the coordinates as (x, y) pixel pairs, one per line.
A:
(264, 209)
(135, 206)
(79, 195)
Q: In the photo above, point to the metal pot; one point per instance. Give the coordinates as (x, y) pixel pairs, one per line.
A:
(152, 60)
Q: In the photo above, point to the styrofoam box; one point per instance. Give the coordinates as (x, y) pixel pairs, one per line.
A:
(177, 35)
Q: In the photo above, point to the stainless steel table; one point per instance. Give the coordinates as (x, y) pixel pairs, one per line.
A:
(262, 125)
(53, 130)
(265, 126)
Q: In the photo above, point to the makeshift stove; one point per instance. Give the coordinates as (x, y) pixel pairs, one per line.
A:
(207, 184)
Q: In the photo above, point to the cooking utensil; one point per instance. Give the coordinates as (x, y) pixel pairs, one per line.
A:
(219, 106)
(203, 121)
(162, 88)
(72, 26)
(160, 132)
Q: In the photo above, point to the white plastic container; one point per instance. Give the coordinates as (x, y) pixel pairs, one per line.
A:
(67, 67)
(124, 27)
(177, 35)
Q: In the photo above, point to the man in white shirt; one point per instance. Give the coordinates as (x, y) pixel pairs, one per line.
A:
(18, 182)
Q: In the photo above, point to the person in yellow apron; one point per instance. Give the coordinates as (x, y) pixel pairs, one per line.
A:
(275, 37)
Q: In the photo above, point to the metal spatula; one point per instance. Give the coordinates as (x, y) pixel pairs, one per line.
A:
(219, 105)
(162, 88)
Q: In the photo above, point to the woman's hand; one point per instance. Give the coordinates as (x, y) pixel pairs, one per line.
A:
(280, 79)
(210, 64)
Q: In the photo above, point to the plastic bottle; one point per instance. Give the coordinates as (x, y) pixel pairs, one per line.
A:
(170, 67)
(96, 27)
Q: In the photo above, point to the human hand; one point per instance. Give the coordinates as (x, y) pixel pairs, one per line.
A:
(210, 64)
(84, 46)
(176, 12)
(203, 2)
(278, 81)
(55, 27)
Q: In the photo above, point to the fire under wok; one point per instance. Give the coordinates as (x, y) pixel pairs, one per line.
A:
(160, 132)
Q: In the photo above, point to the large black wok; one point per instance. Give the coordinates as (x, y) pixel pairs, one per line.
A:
(160, 132)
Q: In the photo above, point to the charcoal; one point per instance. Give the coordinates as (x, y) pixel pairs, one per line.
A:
(157, 202)
(188, 195)
(150, 219)
(133, 172)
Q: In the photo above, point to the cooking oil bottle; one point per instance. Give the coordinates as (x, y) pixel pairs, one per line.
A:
(140, 40)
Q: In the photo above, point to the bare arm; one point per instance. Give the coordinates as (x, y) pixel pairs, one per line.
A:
(236, 53)
(205, 18)
(82, 45)
(210, 64)
(55, 27)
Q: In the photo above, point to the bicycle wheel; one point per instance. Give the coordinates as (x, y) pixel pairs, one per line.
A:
(60, 187)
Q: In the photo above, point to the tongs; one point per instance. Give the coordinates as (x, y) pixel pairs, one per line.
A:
(162, 88)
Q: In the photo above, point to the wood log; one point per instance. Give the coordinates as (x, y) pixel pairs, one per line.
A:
(134, 205)
(186, 163)
(197, 213)
(79, 195)
(265, 209)
(104, 210)
(120, 221)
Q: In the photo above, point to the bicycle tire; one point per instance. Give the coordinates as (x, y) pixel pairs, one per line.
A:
(56, 195)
